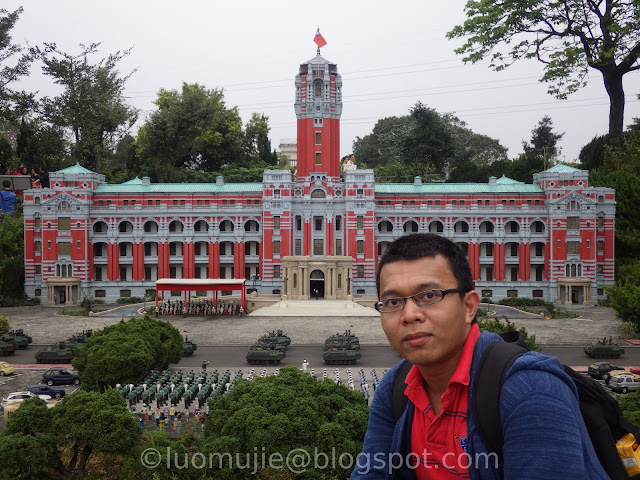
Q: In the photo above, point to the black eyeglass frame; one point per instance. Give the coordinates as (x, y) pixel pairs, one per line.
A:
(378, 304)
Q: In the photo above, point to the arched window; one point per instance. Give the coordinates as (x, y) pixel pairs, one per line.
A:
(317, 88)
(318, 193)
(64, 206)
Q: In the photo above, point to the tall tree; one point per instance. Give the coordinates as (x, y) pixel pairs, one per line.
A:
(544, 141)
(14, 64)
(569, 36)
(192, 129)
(41, 144)
(92, 107)
(258, 151)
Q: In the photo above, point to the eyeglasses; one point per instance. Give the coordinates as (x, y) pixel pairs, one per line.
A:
(422, 299)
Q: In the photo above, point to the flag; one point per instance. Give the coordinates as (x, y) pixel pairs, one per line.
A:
(319, 39)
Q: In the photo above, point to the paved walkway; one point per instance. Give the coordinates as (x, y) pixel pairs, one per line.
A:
(310, 322)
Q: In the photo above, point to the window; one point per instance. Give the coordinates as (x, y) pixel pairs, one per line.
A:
(64, 224)
(318, 158)
(38, 247)
(339, 280)
(360, 246)
(360, 194)
(317, 88)
(276, 194)
(338, 223)
(573, 248)
(600, 223)
(37, 292)
(600, 245)
(318, 246)
(514, 274)
(318, 138)
(123, 249)
(487, 293)
(360, 271)
(64, 248)
(64, 206)
(276, 247)
(147, 273)
(123, 274)
(338, 246)
(573, 223)
(38, 270)
(360, 222)
(317, 224)
(600, 292)
(125, 293)
(512, 293)
(599, 269)
(36, 223)
(298, 223)
(172, 272)
(100, 293)
(276, 271)
(276, 222)
(295, 280)
(298, 246)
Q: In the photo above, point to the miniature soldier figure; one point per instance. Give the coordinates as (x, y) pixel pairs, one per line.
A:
(204, 365)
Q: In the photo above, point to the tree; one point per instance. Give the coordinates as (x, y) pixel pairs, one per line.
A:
(624, 294)
(289, 411)
(192, 129)
(13, 65)
(543, 141)
(42, 144)
(12, 254)
(92, 107)
(258, 151)
(88, 422)
(126, 351)
(569, 36)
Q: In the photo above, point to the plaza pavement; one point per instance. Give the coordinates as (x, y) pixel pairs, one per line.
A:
(305, 321)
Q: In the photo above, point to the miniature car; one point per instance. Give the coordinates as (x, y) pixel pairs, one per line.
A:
(60, 376)
(46, 390)
(19, 397)
(612, 373)
(624, 383)
(598, 369)
(6, 369)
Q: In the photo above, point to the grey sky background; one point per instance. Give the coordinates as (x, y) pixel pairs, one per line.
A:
(390, 55)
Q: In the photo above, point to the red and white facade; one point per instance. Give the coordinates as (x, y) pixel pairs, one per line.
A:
(318, 233)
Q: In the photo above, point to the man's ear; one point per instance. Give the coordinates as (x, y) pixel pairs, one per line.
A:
(471, 304)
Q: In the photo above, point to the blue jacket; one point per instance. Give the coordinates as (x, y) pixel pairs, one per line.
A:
(7, 201)
(544, 434)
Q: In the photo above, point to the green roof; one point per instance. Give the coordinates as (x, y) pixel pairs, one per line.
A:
(133, 181)
(77, 168)
(456, 188)
(562, 168)
(133, 186)
(508, 181)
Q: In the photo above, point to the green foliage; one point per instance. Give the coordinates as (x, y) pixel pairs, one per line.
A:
(41, 144)
(624, 294)
(28, 456)
(11, 255)
(280, 413)
(570, 37)
(543, 140)
(92, 107)
(421, 143)
(124, 352)
(521, 169)
(129, 300)
(495, 325)
(33, 417)
(630, 406)
(4, 324)
(18, 302)
(523, 302)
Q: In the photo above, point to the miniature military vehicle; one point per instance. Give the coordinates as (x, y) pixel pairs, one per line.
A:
(18, 337)
(278, 338)
(78, 340)
(604, 349)
(341, 349)
(263, 354)
(55, 354)
(282, 338)
(188, 347)
(7, 348)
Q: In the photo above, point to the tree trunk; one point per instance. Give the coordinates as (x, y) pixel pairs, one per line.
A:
(613, 84)
(86, 451)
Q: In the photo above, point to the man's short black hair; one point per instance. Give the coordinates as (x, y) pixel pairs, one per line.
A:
(6, 183)
(420, 245)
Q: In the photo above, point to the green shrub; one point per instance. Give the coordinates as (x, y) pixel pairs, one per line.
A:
(495, 325)
(4, 324)
(524, 302)
(129, 300)
(18, 302)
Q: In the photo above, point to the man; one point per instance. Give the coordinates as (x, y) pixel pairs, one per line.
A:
(7, 198)
(428, 311)
(43, 175)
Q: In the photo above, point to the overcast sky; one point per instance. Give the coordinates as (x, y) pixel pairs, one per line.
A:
(390, 55)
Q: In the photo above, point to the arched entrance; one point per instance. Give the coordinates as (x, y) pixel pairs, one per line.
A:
(316, 284)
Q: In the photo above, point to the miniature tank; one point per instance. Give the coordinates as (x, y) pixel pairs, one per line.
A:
(340, 355)
(262, 354)
(347, 336)
(18, 337)
(188, 347)
(278, 338)
(7, 348)
(78, 340)
(604, 349)
(55, 354)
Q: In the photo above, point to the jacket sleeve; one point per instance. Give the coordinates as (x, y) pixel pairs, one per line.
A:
(544, 434)
(375, 461)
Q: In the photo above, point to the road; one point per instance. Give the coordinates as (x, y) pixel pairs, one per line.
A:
(373, 356)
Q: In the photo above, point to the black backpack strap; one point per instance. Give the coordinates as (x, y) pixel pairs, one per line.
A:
(496, 360)
(399, 399)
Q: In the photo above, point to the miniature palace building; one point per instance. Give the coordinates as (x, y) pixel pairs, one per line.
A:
(321, 232)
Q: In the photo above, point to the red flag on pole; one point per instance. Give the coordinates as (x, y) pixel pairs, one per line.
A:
(319, 39)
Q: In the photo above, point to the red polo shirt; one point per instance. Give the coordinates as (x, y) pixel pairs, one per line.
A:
(440, 441)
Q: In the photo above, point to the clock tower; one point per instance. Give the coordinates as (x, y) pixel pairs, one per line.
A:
(318, 108)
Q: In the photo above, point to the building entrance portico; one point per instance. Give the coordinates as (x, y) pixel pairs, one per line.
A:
(63, 290)
(330, 276)
(574, 290)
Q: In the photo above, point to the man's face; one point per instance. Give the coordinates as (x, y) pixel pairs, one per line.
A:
(433, 334)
